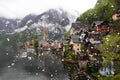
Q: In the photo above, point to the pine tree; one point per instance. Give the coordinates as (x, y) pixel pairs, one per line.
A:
(36, 45)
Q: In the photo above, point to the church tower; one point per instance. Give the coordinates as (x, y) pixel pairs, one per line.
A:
(44, 33)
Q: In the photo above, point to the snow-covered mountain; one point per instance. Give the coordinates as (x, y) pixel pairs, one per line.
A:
(57, 22)
(8, 25)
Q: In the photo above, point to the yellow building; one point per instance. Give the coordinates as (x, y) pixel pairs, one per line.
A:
(75, 41)
(116, 16)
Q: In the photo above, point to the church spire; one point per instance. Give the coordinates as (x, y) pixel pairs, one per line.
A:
(44, 33)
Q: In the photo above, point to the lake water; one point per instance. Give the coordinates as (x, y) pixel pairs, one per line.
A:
(46, 67)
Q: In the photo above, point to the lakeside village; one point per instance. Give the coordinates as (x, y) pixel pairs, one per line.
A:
(78, 49)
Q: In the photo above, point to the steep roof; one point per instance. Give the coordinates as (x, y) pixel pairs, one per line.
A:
(65, 42)
(97, 23)
(78, 26)
(76, 38)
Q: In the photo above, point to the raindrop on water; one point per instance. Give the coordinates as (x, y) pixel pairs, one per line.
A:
(43, 70)
(8, 39)
(36, 74)
(7, 54)
(29, 58)
(51, 75)
(13, 64)
(9, 66)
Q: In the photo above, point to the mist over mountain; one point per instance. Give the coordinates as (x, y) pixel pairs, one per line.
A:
(8, 24)
(57, 21)
(53, 16)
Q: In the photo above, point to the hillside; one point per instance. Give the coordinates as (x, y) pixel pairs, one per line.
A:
(109, 47)
(103, 10)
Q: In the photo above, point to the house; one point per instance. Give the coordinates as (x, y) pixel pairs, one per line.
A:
(42, 42)
(77, 27)
(93, 34)
(47, 47)
(94, 38)
(93, 41)
(65, 42)
(101, 26)
(75, 41)
(83, 35)
(29, 44)
(116, 16)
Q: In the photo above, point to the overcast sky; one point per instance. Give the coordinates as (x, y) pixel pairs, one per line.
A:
(20, 8)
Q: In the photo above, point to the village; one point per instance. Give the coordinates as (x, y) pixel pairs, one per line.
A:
(79, 47)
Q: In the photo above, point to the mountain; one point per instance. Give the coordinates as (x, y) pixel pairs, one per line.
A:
(25, 20)
(8, 24)
(54, 16)
(57, 22)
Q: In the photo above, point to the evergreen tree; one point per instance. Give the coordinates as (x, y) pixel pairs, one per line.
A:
(111, 48)
(36, 45)
(102, 11)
